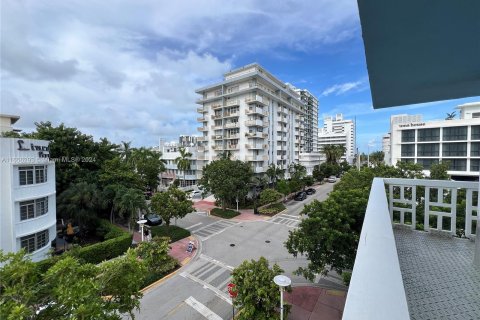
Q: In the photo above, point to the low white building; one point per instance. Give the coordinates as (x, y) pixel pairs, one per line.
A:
(170, 152)
(27, 197)
(456, 141)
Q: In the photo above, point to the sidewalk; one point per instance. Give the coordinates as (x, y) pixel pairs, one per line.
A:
(314, 303)
(245, 214)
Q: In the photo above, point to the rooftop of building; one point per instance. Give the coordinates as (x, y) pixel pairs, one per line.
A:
(12, 118)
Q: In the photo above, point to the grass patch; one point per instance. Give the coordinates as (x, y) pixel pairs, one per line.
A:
(175, 233)
(272, 209)
(226, 214)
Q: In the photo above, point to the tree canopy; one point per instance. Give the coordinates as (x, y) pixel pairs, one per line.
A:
(333, 152)
(170, 204)
(226, 179)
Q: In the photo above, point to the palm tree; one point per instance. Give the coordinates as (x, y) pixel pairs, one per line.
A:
(451, 116)
(333, 153)
(126, 151)
(79, 202)
(226, 155)
(129, 203)
(274, 173)
(183, 162)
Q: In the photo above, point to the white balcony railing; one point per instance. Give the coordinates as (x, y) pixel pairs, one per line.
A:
(376, 288)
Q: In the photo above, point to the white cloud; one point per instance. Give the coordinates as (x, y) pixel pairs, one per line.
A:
(341, 88)
(129, 70)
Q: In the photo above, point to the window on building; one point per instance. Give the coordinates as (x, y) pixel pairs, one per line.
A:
(33, 208)
(454, 133)
(34, 241)
(428, 150)
(455, 149)
(475, 132)
(406, 160)
(32, 174)
(432, 134)
(475, 149)
(408, 150)
(427, 163)
(408, 136)
(475, 165)
(458, 164)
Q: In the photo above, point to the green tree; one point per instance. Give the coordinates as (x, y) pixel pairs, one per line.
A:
(183, 162)
(438, 171)
(172, 203)
(80, 203)
(148, 164)
(329, 235)
(283, 187)
(126, 151)
(116, 171)
(258, 296)
(376, 158)
(226, 179)
(333, 153)
(130, 204)
(155, 255)
(274, 173)
(297, 174)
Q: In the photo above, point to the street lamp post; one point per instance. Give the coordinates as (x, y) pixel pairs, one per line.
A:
(282, 281)
(142, 223)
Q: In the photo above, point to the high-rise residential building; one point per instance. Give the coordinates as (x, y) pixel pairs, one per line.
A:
(386, 144)
(338, 131)
(27, 197)
(252, 115)
(311, 120)
(456, 141)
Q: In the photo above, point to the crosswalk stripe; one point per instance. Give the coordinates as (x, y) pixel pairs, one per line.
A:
(222, 295)
(202, 309)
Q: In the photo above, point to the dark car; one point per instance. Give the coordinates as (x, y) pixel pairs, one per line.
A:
(310, 191)
(300, 196)
(153, 219)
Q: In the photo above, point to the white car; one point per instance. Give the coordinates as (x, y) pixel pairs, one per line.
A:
(332, 179)
(195, 194)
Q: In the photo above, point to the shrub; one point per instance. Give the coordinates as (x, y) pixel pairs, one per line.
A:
(272, 209)
(346, 277)
(107, 231)
(105, 250)
(175, 233)
(226, 214)
(269, 196)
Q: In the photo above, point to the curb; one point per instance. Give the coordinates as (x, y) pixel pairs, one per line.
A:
(183, 264)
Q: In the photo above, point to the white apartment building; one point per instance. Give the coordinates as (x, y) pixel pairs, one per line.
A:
(338, 131)
(170, 152)
(386, 148)
(27, 196)
(456, 141)
(254, 116)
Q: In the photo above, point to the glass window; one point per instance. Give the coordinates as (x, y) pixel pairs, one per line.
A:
(428, 150)
(427, 163)
(27, 210)
(429, 134)
(406, 160)
(33, 208)
(454, 133)
(455, 149)
(475, 132)
(458, 164)
(408, 150)
(475, 149)
(34, 241)
(40, 174)
(408, 135)
(26, 175)
(474, 164)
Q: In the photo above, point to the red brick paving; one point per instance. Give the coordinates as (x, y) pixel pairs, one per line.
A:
(313, 303)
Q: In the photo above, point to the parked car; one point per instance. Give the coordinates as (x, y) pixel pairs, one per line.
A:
(195, 194)
(310, 191)
(332, 179)
(153, 219)
(300, 196)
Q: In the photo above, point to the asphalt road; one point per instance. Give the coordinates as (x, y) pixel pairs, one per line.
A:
(199, 290)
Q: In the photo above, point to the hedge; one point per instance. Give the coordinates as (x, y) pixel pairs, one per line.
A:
(175, 233)
(272, 209)
(226, 214)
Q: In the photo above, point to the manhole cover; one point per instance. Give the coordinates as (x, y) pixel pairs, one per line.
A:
(241, 226)
(232, 244)
(267, 241)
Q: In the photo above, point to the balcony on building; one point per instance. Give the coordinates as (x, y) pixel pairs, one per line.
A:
(254, 123)
(204, 128)
(202, 110)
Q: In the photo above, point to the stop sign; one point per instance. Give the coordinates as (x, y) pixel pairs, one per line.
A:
(231, 290)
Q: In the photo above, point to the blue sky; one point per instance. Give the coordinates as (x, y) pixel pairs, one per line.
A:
(127, 70)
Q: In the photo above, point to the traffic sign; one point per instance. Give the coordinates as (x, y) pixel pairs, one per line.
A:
(231, 290)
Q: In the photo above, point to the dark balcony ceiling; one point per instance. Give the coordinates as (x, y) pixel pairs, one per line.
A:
(421, 50)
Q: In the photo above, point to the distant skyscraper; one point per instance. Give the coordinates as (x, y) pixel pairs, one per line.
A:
(311, 120)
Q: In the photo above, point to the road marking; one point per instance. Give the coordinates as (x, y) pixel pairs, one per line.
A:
(206, 285)
(289, 215)
(195, 225)
(283, 224)
(202, 309)
(285, 218)
(221, 264)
